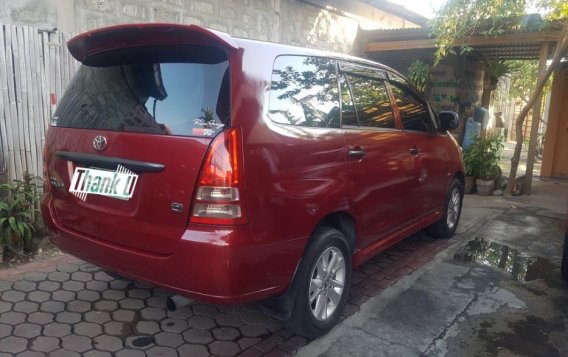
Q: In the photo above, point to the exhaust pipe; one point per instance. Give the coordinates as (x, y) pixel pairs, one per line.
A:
(176, 302)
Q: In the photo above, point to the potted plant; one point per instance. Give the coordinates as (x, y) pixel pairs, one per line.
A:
(484, 162)
(469, 162)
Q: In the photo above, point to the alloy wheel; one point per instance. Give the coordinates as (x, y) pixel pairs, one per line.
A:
(454, 205)
(327, 283)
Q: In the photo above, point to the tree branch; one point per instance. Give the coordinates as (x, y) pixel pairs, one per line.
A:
(561, 47)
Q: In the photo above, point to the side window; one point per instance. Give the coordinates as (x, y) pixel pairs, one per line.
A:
(371, 101)
(414, 112)
(304, 92)
(348, 112)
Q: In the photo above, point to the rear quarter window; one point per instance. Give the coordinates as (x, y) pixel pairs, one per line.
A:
(304, 92)
(149, 95)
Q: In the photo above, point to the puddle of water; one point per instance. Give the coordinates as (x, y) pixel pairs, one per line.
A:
(520, 265)
(529, 334)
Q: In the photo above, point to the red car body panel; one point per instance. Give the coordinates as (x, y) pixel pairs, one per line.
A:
(293, 178)
(144, 222)
(383, 175)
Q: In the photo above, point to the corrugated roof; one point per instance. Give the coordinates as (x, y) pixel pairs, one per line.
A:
(518, 38)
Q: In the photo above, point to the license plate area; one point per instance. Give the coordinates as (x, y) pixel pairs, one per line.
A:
(117, 184)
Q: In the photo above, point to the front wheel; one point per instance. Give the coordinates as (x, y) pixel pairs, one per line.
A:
(448, 224)
(324, 280)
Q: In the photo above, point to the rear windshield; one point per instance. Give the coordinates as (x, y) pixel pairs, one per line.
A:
(183, 92)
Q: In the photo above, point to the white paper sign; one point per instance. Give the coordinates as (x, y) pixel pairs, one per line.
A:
(116, 184)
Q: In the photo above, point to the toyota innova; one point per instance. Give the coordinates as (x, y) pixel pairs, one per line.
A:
(230, 170)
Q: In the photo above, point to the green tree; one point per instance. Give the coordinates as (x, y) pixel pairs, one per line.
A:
(523, 80)
(458, 19)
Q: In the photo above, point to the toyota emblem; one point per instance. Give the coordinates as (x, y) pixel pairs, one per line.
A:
(100, 143)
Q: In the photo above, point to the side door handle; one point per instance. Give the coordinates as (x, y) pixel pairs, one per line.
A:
(356, 153)
(414, 150)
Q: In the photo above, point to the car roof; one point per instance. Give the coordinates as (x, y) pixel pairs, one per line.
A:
(283, 49)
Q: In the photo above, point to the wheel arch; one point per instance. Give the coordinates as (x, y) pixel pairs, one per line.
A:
(280, 307)
(343, 222)
(460, 176)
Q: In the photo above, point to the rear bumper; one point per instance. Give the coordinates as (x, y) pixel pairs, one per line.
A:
(214, 264)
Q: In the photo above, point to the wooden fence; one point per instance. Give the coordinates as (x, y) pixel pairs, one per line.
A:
(527, 124)
(34, 66)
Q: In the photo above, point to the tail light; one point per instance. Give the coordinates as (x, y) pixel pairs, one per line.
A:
(219, 193)
(53, 102)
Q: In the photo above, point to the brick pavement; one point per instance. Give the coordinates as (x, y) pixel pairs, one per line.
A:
(73, 308)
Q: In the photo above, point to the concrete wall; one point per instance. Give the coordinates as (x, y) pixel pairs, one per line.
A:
(285, 21)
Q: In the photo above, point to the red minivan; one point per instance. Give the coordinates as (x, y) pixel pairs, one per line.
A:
(231, 170)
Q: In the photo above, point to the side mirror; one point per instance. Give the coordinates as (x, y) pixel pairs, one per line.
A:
(448, 120)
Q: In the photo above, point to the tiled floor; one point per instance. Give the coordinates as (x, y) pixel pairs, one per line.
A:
(76, 309)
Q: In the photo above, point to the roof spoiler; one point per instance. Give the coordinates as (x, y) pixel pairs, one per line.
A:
(134, 35)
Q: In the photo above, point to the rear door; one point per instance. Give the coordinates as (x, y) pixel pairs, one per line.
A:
(378, 162)
(427, 150)
(128, 139)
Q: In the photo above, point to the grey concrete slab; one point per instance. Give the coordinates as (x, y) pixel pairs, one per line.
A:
(497, 293)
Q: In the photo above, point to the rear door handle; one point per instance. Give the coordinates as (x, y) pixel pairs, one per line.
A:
(414, 150)
(356, 154)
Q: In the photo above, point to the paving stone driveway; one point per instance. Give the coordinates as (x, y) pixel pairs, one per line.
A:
(76, 309)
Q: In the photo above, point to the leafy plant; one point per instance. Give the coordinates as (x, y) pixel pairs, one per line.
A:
(18, 201)
(419, 74)
(498, 69)
(470, 161)
(482, 158)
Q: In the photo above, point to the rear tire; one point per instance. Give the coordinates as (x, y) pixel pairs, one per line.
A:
(564, 267)
(324, 279)
(448, 224)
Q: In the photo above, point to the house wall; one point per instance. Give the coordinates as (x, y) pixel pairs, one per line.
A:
(285, 21)
(555, 156)
(456, 84)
